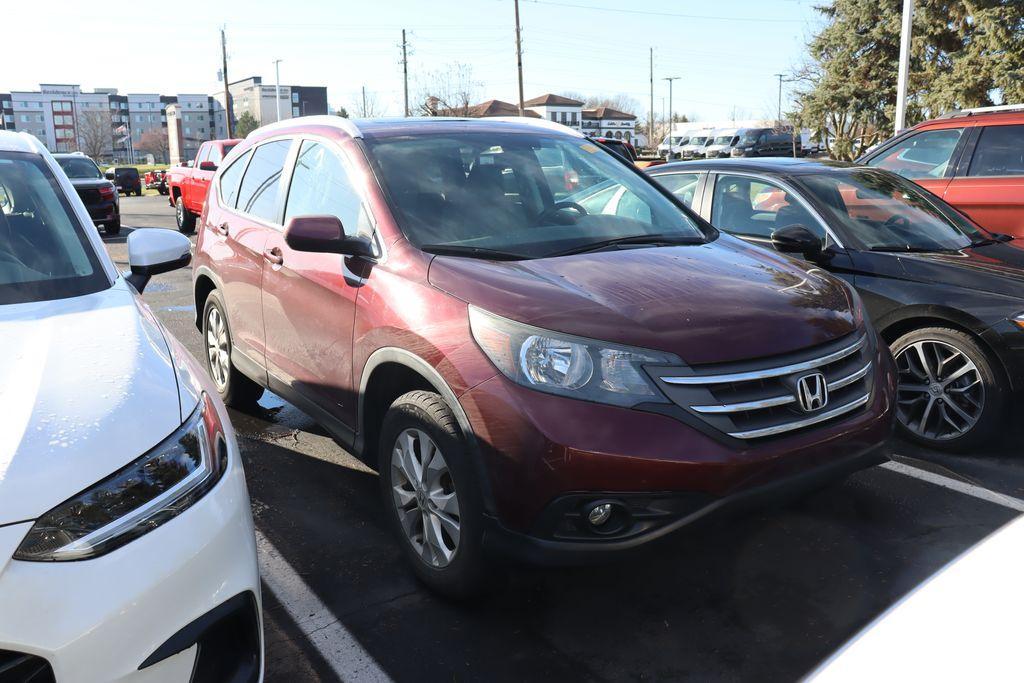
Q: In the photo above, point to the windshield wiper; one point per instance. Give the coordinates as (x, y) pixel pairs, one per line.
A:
(472, 252)
(908, 249)
(996, 238)
(632, 239)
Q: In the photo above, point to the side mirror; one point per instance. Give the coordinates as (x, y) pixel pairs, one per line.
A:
(207, 166)
(796, 239)
(325, 235)
(153, 251)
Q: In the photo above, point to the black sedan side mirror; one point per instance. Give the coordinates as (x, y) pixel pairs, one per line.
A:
(325, 235)
(796, 239)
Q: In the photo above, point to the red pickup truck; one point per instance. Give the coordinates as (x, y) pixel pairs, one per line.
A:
(187, 185)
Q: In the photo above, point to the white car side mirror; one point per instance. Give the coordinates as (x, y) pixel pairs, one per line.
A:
(152, 251)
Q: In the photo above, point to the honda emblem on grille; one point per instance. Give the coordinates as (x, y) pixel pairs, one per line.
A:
(812, 392)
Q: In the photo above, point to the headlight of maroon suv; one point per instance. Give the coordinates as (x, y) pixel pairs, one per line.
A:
(568, 365)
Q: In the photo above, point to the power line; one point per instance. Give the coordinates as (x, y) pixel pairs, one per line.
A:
(664, 14)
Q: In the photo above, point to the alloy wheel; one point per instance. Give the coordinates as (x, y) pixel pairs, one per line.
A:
(217, 347)
(940, 395)
(424, 495)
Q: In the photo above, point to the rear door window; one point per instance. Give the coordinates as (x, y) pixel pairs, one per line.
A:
(924, 155)
(999, 152)
(682, 185)
(229, 180)
(258, 193)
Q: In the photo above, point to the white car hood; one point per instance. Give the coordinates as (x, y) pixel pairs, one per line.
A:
(87, 385)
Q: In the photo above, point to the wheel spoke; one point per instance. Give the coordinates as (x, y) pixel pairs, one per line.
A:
(929, 400)
(963, 370)
(922, 358)
(914, 388)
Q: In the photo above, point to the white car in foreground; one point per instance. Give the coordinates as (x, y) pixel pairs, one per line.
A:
(960, 625)
(127, 549)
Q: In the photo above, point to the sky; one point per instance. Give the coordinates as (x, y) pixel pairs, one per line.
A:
(725, 52)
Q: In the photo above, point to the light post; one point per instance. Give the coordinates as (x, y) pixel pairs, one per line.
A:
(671, 112)
(277, 91)
(904, 68)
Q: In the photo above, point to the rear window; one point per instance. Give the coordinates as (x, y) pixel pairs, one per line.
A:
(77, 168)
(1000, 152)
(129, 173)
(44, 251)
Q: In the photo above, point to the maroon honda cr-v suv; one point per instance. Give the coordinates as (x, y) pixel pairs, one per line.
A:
(541, 352)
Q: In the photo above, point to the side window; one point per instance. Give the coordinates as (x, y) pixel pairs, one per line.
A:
(925, 155)
(214, 154)
(257, 195)
(229, 180)
(204, 154)
(1000, 152)
(321, 186)
(682, 185)
(756, 208)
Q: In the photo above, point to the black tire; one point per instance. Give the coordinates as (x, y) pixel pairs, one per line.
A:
(186, 220)
(467, 573)
(236, 390)
(993, 383)
(113, 227)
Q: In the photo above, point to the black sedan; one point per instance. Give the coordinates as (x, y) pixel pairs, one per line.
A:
(946, 295)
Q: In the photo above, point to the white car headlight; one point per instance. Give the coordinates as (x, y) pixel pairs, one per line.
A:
(568, 365)
(137, 498)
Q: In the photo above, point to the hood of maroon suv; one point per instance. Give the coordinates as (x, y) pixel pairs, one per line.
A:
(718, 302)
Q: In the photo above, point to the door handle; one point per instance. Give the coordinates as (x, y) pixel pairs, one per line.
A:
(274, 256)
(221, 229)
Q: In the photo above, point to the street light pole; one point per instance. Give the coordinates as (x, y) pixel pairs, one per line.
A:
(671, 111)
(277, 89)
(904, 68)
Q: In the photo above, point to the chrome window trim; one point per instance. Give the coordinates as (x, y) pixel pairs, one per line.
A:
(769, 372)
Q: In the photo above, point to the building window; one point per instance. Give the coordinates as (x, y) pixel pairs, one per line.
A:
(554, 117)
(295, 111)
(24, 118)
(188, 131)
(6, 104)
(295, 97)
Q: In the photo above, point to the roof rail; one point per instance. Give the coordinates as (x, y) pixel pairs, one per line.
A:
(538, 123)
(956, 113)
(338, 122)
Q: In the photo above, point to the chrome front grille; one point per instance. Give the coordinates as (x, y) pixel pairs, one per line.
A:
(754, 400)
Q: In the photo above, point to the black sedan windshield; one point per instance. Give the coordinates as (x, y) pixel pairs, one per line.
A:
(79, 167)
(883, 212)
(517, 195)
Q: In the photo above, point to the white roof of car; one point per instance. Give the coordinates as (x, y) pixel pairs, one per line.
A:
(19, 142)
(351, 127)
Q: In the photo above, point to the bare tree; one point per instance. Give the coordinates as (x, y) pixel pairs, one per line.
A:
(95, 133)
(155, 142)
(368, 106)
(448, 92)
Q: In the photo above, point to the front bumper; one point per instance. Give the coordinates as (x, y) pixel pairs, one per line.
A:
(148, 602)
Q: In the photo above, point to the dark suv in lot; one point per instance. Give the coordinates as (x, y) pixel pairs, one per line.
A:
(549, 365)
(126, 178)
(98, 194)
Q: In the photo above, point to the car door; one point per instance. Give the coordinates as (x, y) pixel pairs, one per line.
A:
(928, 157)
(200, 181)
(989, 185)
(238, 229)
(309, 299)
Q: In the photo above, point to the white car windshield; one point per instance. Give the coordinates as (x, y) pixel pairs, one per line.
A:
(44, 252)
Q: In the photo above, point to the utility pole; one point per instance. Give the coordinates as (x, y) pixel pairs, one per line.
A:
(224, 72)
(904, 70)
(778, 120)
(277, 88)
(405, 73)
(364, 103)
(519, 60)
(671, 112)
(650, 130)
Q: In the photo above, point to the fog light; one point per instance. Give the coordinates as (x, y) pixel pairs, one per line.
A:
(600, 514)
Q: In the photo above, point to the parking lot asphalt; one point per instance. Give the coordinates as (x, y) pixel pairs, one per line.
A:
(761, 597)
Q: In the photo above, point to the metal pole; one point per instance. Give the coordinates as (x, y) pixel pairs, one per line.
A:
(778, 120)
(904, 67)
(405, 73)
(519, 60)
(277, 88)
(650, 129)
(671, 111)
(224, 71)
(364, 102)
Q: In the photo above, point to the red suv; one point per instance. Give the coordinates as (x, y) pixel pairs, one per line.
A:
(973, 159)
(545, 368)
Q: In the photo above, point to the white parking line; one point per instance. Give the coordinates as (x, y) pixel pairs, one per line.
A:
(332, 640)
(956, 485)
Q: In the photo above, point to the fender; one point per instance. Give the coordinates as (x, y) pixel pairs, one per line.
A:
(428, 372)
(934, 312)
(196, 273)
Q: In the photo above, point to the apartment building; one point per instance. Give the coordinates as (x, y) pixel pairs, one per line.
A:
(252, 95)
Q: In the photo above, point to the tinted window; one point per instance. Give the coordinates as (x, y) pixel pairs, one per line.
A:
(229, 180)
(321, 186)
(44, 252)
(682, 185)
(1000, 151)
(925, 155)
(257, 195)
(757, 208)
(79, 167)
(204, 154)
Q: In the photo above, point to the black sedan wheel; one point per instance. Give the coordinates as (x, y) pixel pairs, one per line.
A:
(950, 395)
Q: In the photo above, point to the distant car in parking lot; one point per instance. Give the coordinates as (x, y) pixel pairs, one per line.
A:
(187, 185)
(722, 143)
(622, 148)
(972, 159)
(127, 547)
(126, 179)
(97, 193)
(767, 142)
(156, 180)
(671, 146)
(453, 310)
(947, 295)
(695, 148)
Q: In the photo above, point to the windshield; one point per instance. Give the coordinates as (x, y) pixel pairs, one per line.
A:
(749, 137)
(525, 195)
(698, 140)
(44, 252)
(884, 212)
(79, 167)
(723, 140)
